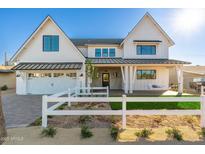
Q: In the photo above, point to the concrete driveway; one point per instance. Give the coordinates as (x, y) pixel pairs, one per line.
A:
(20, 110)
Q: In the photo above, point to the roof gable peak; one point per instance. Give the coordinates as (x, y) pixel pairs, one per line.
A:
(47, 18)
(148, 15)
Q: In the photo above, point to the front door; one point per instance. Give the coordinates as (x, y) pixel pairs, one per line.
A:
(105, 79)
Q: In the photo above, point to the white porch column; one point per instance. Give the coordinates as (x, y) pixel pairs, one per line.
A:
(180, 79)
(134, 75)
(126, 79)
(83, 77)
(131, 79)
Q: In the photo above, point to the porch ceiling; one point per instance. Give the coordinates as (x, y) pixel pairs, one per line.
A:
(134, 61)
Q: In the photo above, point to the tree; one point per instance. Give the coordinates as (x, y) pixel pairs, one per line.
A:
(3, 132)
(91, 72)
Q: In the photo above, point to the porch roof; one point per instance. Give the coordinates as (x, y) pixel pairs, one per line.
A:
(48, 66)
(134, 61)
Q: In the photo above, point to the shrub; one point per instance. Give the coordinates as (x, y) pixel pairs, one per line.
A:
(49, 116)
(84, 119)
(202, 133)
(175, 134)
(145, 133)
(4, 87)
(48, 132)
(114, 132)
(37, 122)
(85, 132)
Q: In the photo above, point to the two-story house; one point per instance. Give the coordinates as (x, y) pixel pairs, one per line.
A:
(50, 62)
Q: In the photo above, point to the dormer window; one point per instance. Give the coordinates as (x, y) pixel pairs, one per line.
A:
(146, 49)
(50, 43)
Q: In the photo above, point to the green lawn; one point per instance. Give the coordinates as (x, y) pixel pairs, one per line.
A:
(156, 105)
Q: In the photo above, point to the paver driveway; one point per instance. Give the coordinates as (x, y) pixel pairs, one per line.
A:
(20, 110)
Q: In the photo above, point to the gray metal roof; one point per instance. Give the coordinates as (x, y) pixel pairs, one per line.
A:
(48, 66)
(6, 71)
(134, 61)
(82, 42)
(147, 41)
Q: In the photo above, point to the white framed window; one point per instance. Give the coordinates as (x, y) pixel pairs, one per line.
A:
(72, 75)
(146, 49)
(55, 75)
(34, 75)
(105, 52)
(146, 74)
(46, 75)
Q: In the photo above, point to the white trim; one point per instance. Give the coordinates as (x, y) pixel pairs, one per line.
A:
(123, 75)
(134, 74)
(131, 79)
(123, 112)
(101, 48)
(126, 87)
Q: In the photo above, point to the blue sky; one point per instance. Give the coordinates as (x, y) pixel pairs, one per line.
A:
(186, 28)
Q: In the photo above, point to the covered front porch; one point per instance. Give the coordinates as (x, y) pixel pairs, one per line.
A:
(151, 93)
(136, 75)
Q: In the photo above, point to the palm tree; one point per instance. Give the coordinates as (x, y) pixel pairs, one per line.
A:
(3, 132)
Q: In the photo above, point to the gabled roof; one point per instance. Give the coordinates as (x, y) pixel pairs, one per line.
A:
(155, 23)
(86, 41)
(35, 32)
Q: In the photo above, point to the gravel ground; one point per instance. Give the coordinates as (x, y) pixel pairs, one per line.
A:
(31, 136)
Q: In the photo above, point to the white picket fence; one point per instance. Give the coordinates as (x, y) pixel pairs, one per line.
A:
(77, 97)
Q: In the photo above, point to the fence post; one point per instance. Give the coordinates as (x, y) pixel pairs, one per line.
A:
(202, 111)
(44, 111)
(202, 90)
(69, 104)
(124, 106)
(107, 91)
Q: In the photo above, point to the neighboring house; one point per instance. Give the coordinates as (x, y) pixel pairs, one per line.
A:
(189, 73)
(7, 77)
(50, 62)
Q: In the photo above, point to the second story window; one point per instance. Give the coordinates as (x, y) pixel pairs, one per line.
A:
(50, 43)
(112, 52)
(97, 52)
(105, 52)
(146, 49)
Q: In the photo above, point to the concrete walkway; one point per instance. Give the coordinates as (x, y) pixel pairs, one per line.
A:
(19, 110)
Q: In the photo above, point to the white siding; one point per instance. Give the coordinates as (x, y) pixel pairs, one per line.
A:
(162, 79)
(33, 52)
(146, 30)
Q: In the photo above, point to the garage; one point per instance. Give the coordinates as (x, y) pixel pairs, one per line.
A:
(50, 83)
(48, 78)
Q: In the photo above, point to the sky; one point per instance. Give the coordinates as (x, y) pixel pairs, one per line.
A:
(185, 26)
